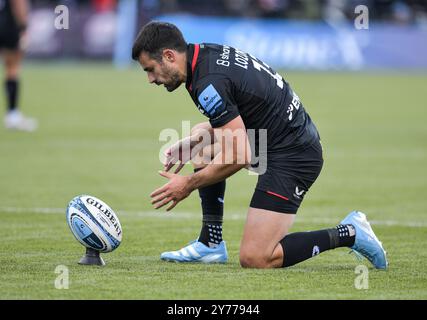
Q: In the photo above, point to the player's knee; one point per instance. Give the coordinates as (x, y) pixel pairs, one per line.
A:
(252, 259)
(12, 72)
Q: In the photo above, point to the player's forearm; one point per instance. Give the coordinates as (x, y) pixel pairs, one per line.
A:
(20, 12)
(203, 136)
(212, 173)
(235, 154)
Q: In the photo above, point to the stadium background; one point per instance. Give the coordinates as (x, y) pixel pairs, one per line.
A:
(99, 131)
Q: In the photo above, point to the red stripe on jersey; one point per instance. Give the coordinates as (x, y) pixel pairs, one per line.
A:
(194, 61)
(277, 195)
(195, 56)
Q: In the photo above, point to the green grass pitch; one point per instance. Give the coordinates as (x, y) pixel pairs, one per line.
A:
(99, 135)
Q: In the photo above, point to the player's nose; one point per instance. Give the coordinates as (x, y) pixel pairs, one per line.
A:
(151, 78)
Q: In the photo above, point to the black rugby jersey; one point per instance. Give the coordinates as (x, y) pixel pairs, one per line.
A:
(6, 11)
(7, 19)
(225, 82)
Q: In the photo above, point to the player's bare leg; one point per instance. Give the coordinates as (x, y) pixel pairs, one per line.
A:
(12, 63)
(14, 119)
(260, 247)
(267, 243)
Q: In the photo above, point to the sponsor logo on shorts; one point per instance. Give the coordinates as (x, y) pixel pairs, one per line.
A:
(299, 193)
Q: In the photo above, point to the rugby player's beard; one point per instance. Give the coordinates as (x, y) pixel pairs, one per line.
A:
(175, 80)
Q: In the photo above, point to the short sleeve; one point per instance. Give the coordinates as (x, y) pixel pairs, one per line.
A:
(215, 100)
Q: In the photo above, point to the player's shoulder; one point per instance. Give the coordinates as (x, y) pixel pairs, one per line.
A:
(215, 59)
(211, 47)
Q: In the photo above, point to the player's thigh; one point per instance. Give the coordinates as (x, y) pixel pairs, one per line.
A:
(262, 232)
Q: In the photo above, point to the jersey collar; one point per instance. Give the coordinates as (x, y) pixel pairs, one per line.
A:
(192, 55)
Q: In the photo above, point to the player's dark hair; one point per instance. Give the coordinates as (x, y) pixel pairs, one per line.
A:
(156, 36)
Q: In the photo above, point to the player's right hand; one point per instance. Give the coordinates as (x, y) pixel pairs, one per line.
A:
(179, 152)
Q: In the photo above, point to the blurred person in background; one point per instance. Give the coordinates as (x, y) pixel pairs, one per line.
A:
(13, 25)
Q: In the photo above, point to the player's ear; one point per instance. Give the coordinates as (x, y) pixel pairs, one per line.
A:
(169, 55)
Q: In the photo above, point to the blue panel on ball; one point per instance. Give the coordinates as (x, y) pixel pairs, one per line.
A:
(81, 228)
(94, 242)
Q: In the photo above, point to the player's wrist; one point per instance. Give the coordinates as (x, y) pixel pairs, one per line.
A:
(192, 182)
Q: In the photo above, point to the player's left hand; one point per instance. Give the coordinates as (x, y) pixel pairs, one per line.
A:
(175, 190)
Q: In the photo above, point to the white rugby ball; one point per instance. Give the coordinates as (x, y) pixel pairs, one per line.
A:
(94, 223)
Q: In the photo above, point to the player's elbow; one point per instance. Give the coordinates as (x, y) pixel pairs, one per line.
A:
(242, 158)
(238, 162)
(241, 155)
(248, 156)
(240, 166)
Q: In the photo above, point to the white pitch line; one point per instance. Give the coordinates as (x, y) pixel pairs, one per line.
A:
(195, 215)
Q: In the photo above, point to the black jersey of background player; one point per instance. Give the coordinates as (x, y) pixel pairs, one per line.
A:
(225, 82)
(7, 20)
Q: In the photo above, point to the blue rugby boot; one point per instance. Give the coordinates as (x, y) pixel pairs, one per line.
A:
(198, 252)
(366, 243)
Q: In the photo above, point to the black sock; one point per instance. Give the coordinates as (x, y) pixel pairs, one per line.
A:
(301, 246)
(212, 201)
(211, 234)
(12, 87)
(346, 234)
